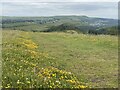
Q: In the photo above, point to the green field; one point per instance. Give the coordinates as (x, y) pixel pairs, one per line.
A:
(69, 60)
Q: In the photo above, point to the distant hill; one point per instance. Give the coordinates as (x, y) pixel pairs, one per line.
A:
(82, 24)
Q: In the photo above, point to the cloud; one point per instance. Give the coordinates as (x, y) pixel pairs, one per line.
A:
(54, 8)
(60, 0)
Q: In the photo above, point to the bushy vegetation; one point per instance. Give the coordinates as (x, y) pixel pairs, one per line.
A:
(84, 29)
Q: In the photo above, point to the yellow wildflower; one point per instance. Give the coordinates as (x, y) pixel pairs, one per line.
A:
(62, 77)
(50, 86)
(18, 82)
(28, 81)
(71, 81)
(82, 86)
(54, 75)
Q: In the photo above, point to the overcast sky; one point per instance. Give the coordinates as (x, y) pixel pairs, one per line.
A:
(93, 9)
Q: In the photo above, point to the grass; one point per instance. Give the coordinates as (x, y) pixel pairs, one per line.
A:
(0, 58)
(90, 60)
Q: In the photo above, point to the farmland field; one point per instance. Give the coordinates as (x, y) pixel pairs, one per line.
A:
(62, 60)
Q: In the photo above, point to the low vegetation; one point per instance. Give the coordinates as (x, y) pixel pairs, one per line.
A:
(23, 66)
(59, 60)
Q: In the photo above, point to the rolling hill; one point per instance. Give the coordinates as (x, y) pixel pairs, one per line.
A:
(82, 24)
(59, 52)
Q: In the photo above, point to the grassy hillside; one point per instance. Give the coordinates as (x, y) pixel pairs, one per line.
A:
(82, 24)
(0, 57)
(36, 59)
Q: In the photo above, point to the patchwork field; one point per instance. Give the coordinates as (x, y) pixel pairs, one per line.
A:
(59, 60)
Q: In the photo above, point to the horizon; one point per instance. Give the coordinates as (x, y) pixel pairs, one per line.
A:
(63, 16)
(97, 10)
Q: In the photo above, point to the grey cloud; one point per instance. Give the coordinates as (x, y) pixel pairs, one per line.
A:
(52, 9)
